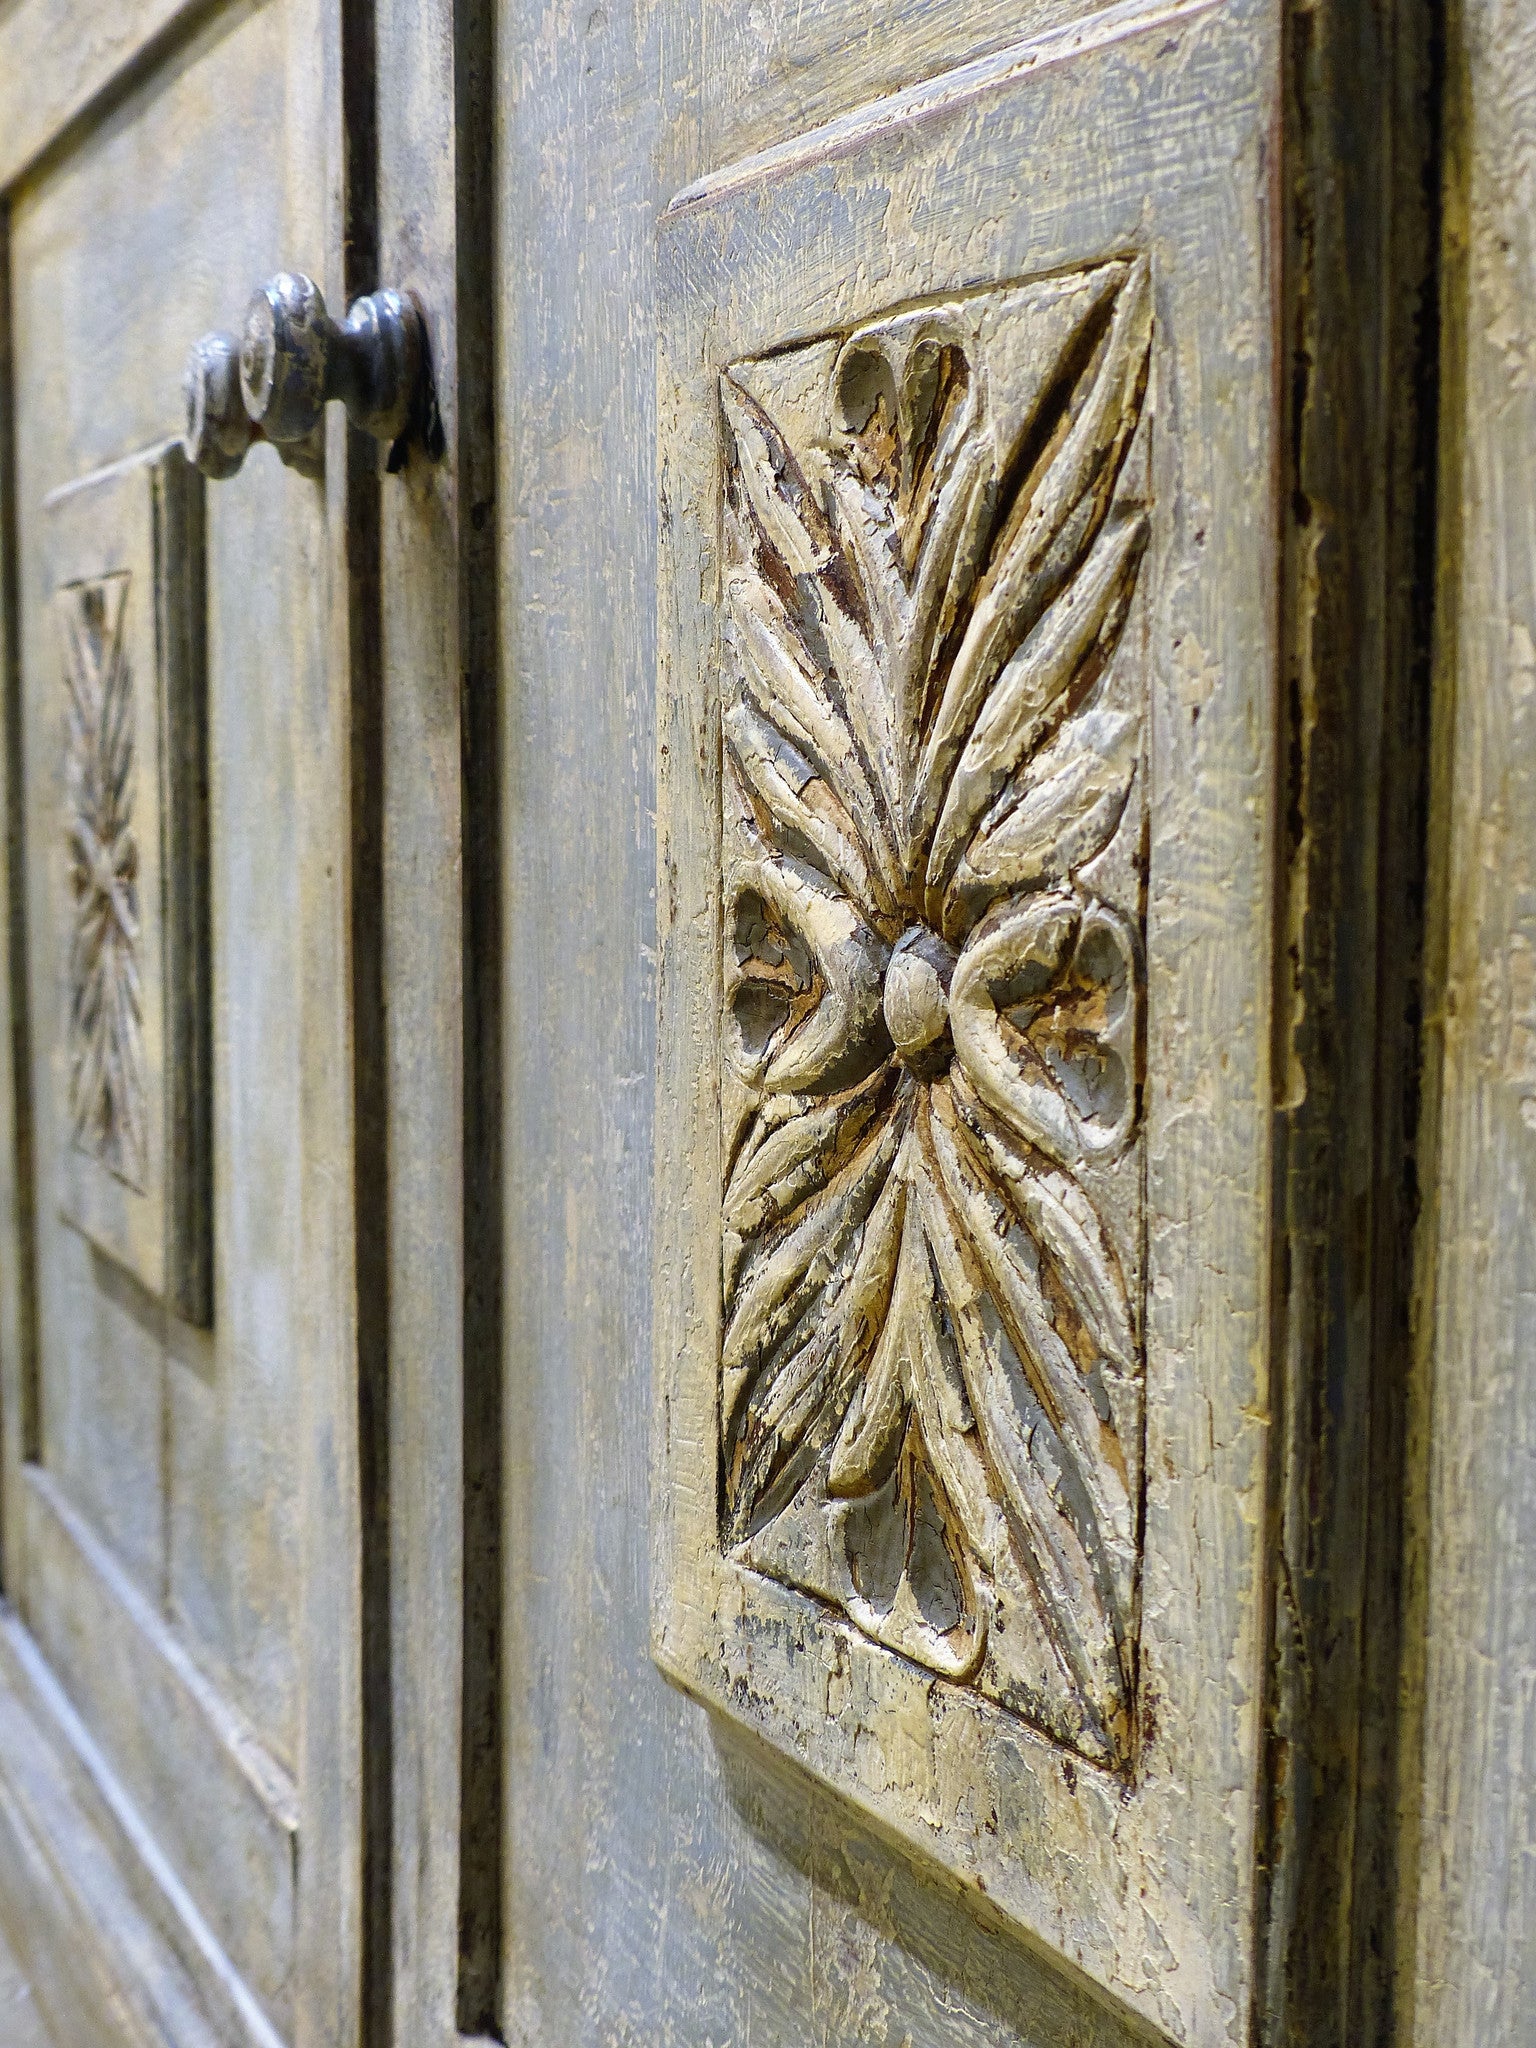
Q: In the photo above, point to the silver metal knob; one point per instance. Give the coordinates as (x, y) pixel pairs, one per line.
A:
(219, 429)
(292, 360)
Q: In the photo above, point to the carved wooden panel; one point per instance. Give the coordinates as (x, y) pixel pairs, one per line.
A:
(125, 556)
(968, 682)
(930, 1401)
(108, 1111)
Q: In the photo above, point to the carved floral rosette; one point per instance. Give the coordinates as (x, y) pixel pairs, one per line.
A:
(930, 1376)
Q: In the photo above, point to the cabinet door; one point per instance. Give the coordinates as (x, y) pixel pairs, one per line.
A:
(179, 1831)
(970, 613)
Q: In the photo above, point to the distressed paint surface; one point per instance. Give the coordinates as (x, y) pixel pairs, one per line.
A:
(158, 1429)
(20, 2022)
(181, 1541)
(668, 1876)
(1470, 1971)
(930, 1388)
(715, 1897)
(1147, 1887)
(622, 1942)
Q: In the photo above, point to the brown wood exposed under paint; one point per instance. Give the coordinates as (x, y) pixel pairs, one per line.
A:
(479, 2002)
(370, 1076)
(1359, 205)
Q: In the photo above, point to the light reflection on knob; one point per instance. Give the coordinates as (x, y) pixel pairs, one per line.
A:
(292, 360)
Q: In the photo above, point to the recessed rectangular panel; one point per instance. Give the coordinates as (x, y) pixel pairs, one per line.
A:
(968, 687)
(124, 552)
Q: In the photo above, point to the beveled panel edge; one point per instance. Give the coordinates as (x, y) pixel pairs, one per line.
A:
(60, 56)
(235, 1808)
(117, 1831)
(930, 96)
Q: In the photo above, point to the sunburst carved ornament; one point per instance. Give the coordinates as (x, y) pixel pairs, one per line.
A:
(930, 1016)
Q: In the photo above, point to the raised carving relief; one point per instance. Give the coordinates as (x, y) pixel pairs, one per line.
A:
(127, 717)
(969, 687)
(930, 1373)
(106, 1013)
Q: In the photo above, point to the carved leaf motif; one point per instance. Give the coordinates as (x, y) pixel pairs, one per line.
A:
(927, 1331)
(108, 1105)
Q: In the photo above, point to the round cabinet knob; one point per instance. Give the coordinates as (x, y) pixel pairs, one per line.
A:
(294, 358)
(219, 429)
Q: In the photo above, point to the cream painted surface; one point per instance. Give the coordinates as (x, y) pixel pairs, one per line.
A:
(719, 1893)
(989, 187)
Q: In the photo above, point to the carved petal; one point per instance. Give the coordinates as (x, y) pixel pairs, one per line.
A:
(1043, 1010)
(801, 1322)
(779, 676)
(800, 809)
(782, 1163)
(779, 495)
(911, 1580)
(1014, 956)
(797, 621)
(108, 1103)
(914, 497)
(870, 1437)
(1048, 529)
(804, 978)
(1060, 811)
(1061, 1219)
(1020, 1275)
(1061, 659)
(1024, 1473)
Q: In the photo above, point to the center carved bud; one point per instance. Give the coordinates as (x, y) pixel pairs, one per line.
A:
(916, 1001)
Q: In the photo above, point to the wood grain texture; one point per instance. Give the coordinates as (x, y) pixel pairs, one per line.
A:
(1358, 233)
(663, 1876)
(102, 1974)
(1471, 1970)
(168, 1732)
(437, 586)
(611, 1944)
(983, 173)
(332, 671)
(112, 1828)
(177, 1477)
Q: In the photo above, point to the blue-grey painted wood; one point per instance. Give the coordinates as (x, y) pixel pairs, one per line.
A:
(1470, 1968)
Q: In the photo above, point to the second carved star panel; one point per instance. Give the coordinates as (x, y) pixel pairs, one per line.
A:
(968, 686)
(132, 1056)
